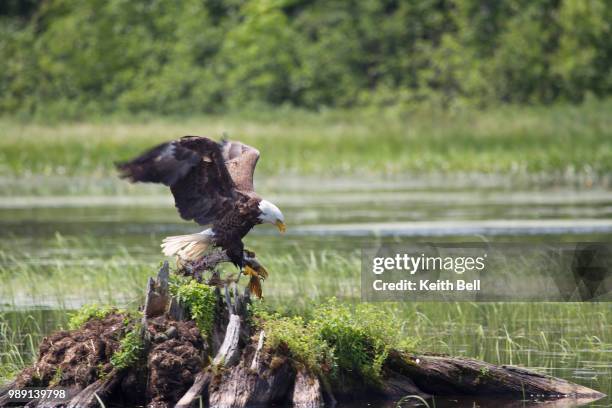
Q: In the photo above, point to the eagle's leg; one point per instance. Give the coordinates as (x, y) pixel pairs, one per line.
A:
(235, 255)
(240, 269)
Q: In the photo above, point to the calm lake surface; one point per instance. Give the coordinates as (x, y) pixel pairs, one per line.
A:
(59, 252)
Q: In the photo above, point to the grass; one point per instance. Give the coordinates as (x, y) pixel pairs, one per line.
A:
(510, 140)
(78, 271)
(20, 335)
(570, 340)
(73, 271)
(63, 273)
(556, 338)
(17, 349)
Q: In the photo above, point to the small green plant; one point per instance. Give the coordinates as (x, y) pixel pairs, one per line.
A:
(130, 349)
(57, 377)
(86, 313)
(101, 372)
(198, 299)
(484, 371)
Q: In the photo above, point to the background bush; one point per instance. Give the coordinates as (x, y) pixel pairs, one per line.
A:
(74, 57)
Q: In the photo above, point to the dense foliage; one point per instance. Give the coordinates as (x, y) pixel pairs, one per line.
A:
(338, 340)
(199, 301)
(73, 57)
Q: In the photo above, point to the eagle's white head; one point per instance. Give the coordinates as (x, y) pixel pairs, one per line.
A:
(270, 214)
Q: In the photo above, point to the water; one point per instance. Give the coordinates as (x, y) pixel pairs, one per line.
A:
(60, 252)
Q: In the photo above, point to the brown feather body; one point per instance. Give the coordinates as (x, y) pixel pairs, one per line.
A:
(234, 225)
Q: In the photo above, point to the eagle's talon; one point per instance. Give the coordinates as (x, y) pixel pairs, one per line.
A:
(255, 286)
(258, 271)
(262, 272)
(249, 271)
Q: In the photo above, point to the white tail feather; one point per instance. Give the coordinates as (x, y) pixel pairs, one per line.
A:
(187, 247)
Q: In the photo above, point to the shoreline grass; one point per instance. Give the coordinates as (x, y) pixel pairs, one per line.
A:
(570, 340)
(506, 140)
(550, 337)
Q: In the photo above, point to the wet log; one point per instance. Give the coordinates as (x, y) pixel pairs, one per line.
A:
(157, 297)
(46, 404)
(257, 355)
(307, 391)
(397, 385)
(88, 397)
(240, 387)
(176, 311)
(3, 392)
(229, 352)
(97, 391)
(199, 389)
(443, 375)
(4, 389)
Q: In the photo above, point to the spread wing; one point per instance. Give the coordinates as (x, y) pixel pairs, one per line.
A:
(193, 167)
(240, 160)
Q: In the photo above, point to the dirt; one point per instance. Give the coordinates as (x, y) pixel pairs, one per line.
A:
(77, 357)
(176, 356)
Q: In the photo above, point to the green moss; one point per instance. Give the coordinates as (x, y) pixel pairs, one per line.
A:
(130, 350)
(484, 371)
(199, 301)
(343, 341)
(86, 313)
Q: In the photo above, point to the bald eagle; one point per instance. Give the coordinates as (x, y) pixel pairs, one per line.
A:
(212, 184)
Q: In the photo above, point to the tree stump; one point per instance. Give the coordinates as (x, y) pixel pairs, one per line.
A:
(234, 369)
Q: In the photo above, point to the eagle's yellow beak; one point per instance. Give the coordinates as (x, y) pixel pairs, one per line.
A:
(281, 226)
